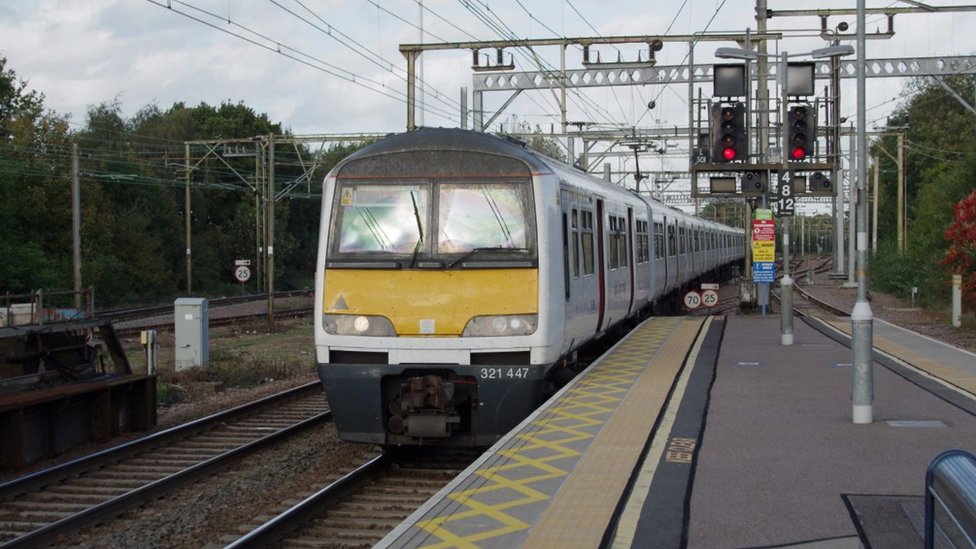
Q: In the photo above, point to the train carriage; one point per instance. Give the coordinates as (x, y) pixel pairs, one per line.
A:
(458, 273)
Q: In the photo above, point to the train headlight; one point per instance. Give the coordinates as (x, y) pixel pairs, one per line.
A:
(357, 325)
(501, 325)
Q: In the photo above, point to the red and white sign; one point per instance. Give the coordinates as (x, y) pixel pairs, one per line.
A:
(242, 273)
(763, 230)
(709, 298)
(693, 300)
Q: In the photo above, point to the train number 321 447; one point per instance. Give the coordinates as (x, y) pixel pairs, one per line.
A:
(504, 373)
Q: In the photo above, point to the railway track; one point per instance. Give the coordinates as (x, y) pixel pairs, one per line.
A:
(36, 508)
(213, 322)
(819, 303)
(132, 313)
(361, 507)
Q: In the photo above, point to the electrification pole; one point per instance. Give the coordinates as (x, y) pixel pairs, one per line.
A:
(76, 222)
(786, 283)
(862, 319)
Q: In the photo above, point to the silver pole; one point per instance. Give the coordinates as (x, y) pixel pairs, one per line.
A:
(862, 320)
(838, 202)
(851, 213)
(420, 71)
(785, 283)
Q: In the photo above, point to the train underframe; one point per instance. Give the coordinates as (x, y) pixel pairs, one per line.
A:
(442, 404)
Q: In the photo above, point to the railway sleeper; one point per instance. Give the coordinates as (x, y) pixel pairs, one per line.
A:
(139, 477)
(41, 518)
(67, 497)
(329, 542)
(126, 483)
(388, 499)
(353, 513)
(362, 523)
(67, 489)
(366, 534)
(10, 529)
(146, 468)
(56, 506)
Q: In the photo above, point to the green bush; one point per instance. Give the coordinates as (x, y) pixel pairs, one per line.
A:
(897, 274)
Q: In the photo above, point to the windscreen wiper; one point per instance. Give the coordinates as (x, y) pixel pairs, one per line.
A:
(420, 230)
(475, 251)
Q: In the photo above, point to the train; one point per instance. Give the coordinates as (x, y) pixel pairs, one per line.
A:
(460, 273)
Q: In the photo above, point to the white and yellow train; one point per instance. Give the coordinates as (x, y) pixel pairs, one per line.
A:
(458, 274)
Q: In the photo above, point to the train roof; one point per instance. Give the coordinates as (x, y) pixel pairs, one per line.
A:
(452, 139)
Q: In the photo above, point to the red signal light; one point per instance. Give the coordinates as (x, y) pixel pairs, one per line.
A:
(798, 153)
(728, 153)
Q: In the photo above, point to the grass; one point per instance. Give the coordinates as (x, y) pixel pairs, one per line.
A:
(240, 356)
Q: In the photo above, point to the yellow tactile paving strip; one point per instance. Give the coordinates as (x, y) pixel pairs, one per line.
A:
(581, 511)
(596, 431)
(925, 363)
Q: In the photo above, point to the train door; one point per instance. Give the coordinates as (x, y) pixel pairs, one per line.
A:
(664, 251)
(632, 260)
(601, 264)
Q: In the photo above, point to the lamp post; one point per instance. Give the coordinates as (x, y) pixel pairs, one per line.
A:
(786, 282)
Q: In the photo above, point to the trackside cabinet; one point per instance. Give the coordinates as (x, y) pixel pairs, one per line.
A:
(191, 318)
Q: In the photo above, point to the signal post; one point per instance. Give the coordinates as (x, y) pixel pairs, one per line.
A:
(733, 171)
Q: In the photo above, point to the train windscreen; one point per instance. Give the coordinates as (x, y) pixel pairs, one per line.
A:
(439, 220)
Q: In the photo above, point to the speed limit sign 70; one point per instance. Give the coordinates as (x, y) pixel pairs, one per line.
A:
(693, 300)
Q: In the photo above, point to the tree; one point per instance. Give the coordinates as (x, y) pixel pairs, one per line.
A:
(939, 162)
(961, 256)
(35, 190)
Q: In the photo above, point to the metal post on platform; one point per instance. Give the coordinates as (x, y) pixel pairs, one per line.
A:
(956, 300)
(785, 283)
(862, 319)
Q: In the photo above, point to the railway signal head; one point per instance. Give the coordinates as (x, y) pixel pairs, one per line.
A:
(753, 183)
(820, 184)
(801, 129)
(729, 131)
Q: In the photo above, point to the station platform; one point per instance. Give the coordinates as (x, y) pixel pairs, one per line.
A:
(707, 432)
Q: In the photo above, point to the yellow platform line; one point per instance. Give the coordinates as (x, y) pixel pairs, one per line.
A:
(550, 446)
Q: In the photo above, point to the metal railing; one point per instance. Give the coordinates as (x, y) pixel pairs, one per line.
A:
(950, 481)
(43, 307)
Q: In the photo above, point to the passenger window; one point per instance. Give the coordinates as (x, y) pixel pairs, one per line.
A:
(587, 241)
(614, 243)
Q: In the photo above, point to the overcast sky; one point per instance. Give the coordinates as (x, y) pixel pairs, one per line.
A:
(339, 68)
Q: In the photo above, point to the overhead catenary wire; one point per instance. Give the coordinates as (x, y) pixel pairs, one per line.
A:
(331, 31)
(489, 18)
(296, 55)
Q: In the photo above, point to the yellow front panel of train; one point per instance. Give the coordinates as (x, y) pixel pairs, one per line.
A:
(411, 300)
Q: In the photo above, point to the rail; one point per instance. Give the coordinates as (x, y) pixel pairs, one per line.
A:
(950, 480)
(271, 532)
(155, 478)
